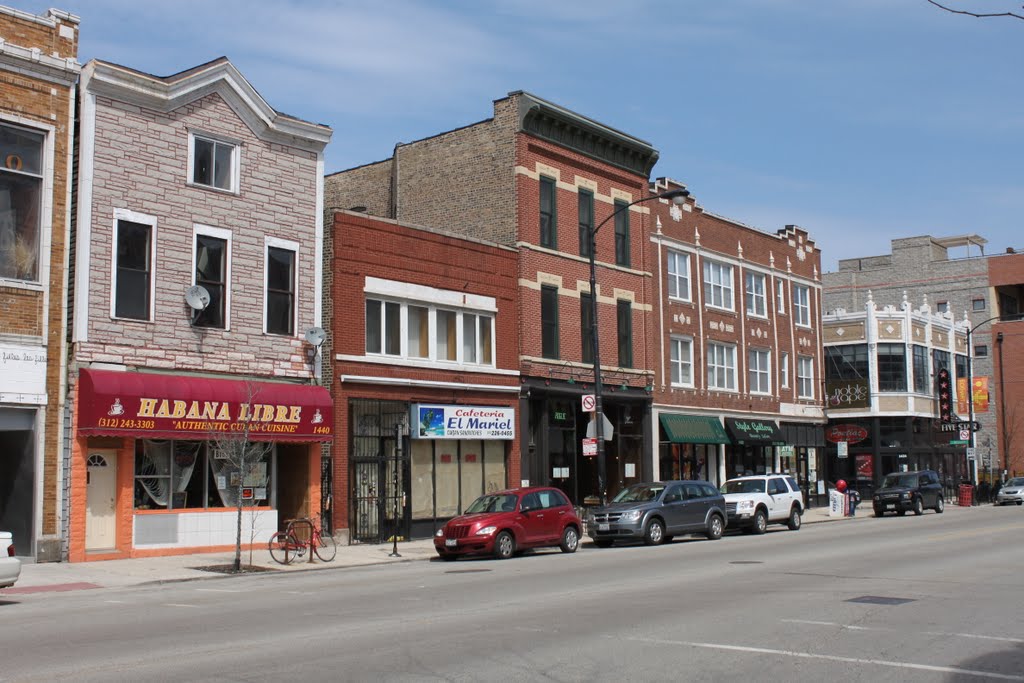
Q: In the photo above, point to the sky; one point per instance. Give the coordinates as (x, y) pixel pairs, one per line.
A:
(861, 121)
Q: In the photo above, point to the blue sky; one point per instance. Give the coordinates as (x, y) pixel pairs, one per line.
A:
(859, 120)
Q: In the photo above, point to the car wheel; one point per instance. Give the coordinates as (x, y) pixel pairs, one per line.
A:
(940, 505)
(879, 513)
(448, 558)
(603, 543)
(504, 546)
(715, 528)
(655, 532)
(901, 512)
(1020, 502)
(918, 506)
(570, 540)
(760, 522)
(794, 519)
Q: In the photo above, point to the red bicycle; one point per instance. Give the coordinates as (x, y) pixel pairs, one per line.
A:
(299, 536)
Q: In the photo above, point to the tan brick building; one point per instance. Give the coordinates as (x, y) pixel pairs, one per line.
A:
(38, 73)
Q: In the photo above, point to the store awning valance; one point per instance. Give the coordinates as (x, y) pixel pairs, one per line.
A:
(145, 405)
(693, 429)
(747, 432)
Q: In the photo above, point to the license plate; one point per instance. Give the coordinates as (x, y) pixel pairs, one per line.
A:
(890, 506)
(603, 527)
(450, 542)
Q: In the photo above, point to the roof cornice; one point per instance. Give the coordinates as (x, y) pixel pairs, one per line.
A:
(33, 63)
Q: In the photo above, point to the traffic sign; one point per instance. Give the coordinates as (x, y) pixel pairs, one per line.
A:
(589, 403)
(965, 434)
(589, 447)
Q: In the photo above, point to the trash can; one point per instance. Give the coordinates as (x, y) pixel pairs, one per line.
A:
(966, 495)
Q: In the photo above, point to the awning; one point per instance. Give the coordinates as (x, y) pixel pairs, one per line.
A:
(137, 404)
(746, 432)
(693, 429)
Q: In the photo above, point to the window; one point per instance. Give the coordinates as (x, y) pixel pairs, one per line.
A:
(846, 362)
(721, 366)
(133, 270)
(418, 332)
(446, 342)
(758, 370)
(476, 339)
(718, 285)
(281, 270)
(920, 369)
(961, 365)
(549, 321)
(586, 326)
(383, 327)
(212, 273)
(780, 297)
(678, 275)
(978, 304)
(756, 294)
(805, 377)
(21, 186)
(460, 336)
(681, 361)
(548, 213)
(624, 310)
(214, 163)
(892, 367)
(802, 305)
(586, 212)
(621, 233)
(940, 361)
(784, 370)
(942, 307)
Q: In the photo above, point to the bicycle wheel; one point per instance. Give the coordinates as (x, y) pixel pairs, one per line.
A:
(282, 546)
(325, 547)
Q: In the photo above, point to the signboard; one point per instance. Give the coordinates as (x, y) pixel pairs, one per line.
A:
(589, 403)
(23, 373)
(462, 422)
(842, 449)
(607, 429)
(960, 426)
(945, 393)
(589, 447)
(980, 395)
(865, 467)
(848, 393)
(850, 433)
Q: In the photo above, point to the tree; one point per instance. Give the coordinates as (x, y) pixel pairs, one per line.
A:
(979, 15)
(1013, 420)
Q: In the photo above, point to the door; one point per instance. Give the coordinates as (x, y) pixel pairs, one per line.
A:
(781, 499)
(674, 508)
(100, 501)
(696, 507)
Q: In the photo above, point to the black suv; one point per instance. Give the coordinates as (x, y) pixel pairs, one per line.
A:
(902, 491)
(655, 512)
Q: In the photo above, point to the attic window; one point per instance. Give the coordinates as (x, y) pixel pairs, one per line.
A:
(213, 163)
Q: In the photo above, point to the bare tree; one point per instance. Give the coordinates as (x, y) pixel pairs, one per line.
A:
(1013, 421)
(979, 15)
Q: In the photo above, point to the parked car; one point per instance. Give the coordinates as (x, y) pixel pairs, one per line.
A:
(753, 502)
(10, 566)
(903, 491)
(504, 523)
(656, 512)
(1011, 492)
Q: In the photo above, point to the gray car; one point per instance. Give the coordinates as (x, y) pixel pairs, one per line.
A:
(1011, 492)
(655, 512)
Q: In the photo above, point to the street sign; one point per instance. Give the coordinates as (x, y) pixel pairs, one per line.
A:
(960, 426)
(971, 452)
(965, 434)
(589, 447)
(607, 428)
(841, 447)
(956, 442)
(589, 403)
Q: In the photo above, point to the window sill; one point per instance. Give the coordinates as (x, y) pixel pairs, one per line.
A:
(212, 188)
(21, 284)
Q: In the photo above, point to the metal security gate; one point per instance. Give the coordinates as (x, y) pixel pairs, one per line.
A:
(380, 480)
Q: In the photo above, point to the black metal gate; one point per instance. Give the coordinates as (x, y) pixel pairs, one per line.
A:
(380, 478)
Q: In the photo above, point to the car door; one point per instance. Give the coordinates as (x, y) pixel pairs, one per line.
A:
(556, 507)
(531, 519)
(696, 507)
(673, 508)
(780, 500)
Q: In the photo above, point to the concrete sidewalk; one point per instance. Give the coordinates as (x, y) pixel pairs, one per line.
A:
(64, 576)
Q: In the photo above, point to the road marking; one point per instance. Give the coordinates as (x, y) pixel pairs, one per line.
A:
(216, 590)
(178, 604)
(830, 658)
(850, 627)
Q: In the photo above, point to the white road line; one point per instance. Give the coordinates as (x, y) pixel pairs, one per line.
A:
(851, 627)
(216, 590)
(831, 658)
(178, 604)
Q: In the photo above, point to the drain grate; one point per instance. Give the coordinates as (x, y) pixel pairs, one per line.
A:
(880, 600)
(746, 562)
(467, 571)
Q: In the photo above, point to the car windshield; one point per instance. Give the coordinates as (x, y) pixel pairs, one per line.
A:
(639, 493)
(745, 486)
(496, 503)
(906, 480)
(1016, 481)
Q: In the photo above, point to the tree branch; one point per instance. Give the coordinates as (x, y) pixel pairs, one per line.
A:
(979, 15)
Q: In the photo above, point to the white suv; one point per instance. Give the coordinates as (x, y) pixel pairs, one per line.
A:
(753, 502)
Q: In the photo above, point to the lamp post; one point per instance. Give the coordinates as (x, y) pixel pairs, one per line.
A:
(678, 197)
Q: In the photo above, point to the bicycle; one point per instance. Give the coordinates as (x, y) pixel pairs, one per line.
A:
(286, 545)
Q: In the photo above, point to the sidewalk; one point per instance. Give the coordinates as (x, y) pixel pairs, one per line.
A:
(64, 576)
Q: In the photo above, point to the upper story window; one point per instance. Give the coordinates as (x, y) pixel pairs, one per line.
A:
(759, 371)
(586, 220)
(849, 361)
(940, 361)
(784, 370)
(587, 326)
(892, 367)
(21, 186)
(978, 304)
(213, 163)
(942, 307)
(549, 321)
(678, 275)
(961, 365)
(681, 361)
(624, 310)
(802, 305)
(383, 327)
(755, 294)
(213, 271)
(280, 286)
(548, 213)
(805, 377)
(780, 297)
(622, 233)
(718, 285)
(920, 366)
(403, 329)
(133, 267)
(721, 366)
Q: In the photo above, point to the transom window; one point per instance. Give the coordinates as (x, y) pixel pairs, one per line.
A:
(681, 361)
(214, 163)
(678, 275)
(21, 183)
(805, 377)
(759, 371)
(756, 294)
(721, 366)
(802, 305)
(404, 330)
(718, 290)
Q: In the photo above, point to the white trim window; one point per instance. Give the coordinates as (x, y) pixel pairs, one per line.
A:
(718, 285)
(784, 370)
(755, 294)
(802, 305)
(404, 329)
(721, 366)
(280, 272)
(133, 263)
(22, 229)
(759, 371)
(211, 268)
(805, 377)
(780, 297)
(681, 361)
(213, 162)
(678, 275)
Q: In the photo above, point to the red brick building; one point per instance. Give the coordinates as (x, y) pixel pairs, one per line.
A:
(1006, 281)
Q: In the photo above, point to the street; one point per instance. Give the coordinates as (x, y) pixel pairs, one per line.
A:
(931, 598)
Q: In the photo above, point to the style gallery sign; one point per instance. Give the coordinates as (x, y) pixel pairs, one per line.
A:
(462, 422)
(848, 433)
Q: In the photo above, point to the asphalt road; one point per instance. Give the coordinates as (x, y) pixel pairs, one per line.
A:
(932, 598)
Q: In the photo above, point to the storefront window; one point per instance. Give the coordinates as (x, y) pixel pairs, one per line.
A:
(422, 463)
(447, 481)
(472, 475)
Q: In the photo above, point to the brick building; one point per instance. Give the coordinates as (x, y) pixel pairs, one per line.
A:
(737, 336)
(197, 272)
(1006, 296)
(38, 72)
(423, 333)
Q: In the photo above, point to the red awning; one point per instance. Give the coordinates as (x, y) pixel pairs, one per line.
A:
(138, 404)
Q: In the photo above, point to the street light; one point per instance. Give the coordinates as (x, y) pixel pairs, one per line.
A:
(677, 197)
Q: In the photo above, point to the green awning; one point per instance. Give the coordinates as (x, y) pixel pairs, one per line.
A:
(693, 429)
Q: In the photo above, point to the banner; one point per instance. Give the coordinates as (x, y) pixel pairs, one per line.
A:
(980, 395)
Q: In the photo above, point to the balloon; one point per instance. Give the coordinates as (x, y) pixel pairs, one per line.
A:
(841, 485)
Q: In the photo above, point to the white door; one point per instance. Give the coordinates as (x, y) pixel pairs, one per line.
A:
(781, 500)
(100, 496)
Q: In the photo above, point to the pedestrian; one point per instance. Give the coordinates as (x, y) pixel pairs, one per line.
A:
(995, 490)
(983, 492)
(854, 499)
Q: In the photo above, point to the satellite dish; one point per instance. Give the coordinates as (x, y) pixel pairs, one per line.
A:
(197, 297)
(316, 336)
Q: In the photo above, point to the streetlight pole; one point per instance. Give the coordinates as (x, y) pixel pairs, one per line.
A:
(678, 197)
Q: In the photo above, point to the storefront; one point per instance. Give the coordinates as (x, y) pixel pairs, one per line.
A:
(803, 456)
(160, 463)
(753, 446)
(690, 447)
